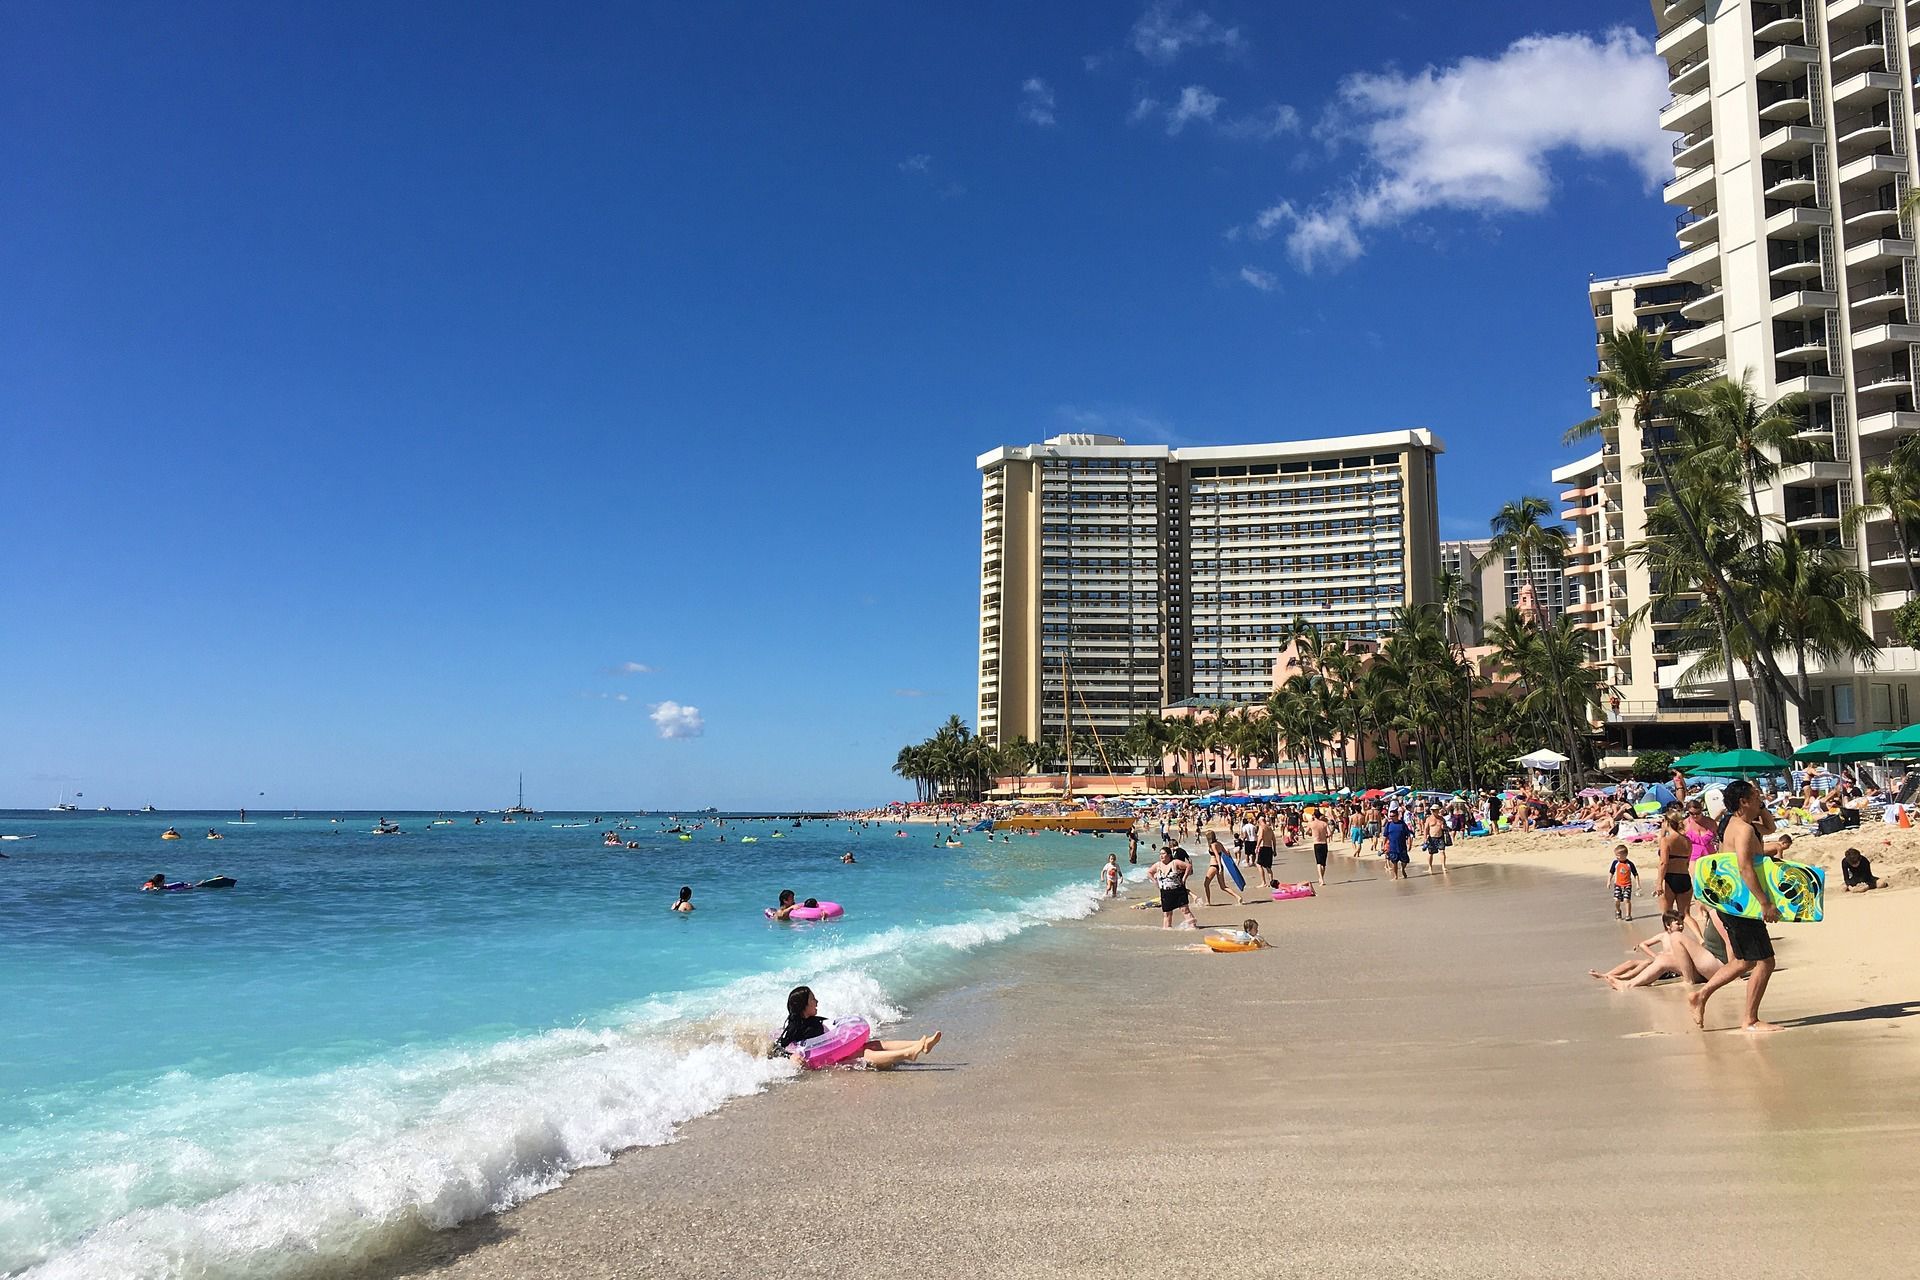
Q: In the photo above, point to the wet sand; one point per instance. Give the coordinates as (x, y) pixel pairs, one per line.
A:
(1417, 1080)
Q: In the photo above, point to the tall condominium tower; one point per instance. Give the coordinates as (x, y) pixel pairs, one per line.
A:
(1796, 150)
(1139, 575)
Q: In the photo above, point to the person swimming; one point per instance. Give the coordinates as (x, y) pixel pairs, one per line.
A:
(784, 910)
(685, 902)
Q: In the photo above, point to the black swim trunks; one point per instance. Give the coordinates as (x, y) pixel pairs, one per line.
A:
(1747, 938)
(1678, 882)
(1265, 856)
(1173, 899)
(1320, 854)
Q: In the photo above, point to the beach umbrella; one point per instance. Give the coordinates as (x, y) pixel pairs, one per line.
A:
(1905, 739)
(1541, 759)
(1692, 758)
(1819, 749)
(1862, 746)
(1739, 764)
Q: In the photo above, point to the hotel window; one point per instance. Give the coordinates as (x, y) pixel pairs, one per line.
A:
(1880, 702)
(1843, 704)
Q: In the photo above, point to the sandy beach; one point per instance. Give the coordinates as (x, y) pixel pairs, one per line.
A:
(1418, 1079)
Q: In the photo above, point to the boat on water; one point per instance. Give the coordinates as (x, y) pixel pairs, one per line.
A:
(147, 808)
(63, 806)
(520, 806)
(1084, 820)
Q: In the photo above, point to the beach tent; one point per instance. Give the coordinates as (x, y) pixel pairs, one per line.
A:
(1662, 792)
(1541, 759)
(1738, 764)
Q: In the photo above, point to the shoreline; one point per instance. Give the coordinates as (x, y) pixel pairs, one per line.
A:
(1399, 1043)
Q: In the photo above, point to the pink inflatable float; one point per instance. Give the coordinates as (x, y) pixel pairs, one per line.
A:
(842, 1042)
(825, 911)
(1286, 891)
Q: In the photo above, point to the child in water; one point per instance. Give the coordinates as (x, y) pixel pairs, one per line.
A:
(1110, 877)
(1248, 934)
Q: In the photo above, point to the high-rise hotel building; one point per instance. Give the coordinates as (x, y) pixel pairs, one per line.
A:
(1795, 271)
(1149, 575)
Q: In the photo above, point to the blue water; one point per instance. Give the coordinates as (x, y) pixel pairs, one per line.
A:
(369, 1037)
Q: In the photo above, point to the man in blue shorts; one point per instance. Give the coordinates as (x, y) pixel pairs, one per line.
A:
(1399, 837)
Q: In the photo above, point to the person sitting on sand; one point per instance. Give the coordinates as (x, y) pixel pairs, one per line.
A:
(686, 899)
(804, 1023)
(1856, 873)
(1673, 954)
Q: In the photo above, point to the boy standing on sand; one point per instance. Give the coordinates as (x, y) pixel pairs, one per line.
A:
(1623, 875)
(1750, 950)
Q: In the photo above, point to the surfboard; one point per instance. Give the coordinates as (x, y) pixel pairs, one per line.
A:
(1233, 871)
(1797, 890)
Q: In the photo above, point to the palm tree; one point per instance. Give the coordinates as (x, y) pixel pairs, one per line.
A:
(1892, 492)
(1457, 601)
(1634, 375)
(1517, 532)
(1813, 598)
(1732, 430)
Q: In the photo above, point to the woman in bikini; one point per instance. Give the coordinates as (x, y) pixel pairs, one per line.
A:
(1676, 881)
(1217, 871)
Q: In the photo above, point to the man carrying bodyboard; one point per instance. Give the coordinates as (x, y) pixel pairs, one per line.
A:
(1750, 950)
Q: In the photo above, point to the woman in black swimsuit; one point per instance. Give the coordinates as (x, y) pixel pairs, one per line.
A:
(1171, 873)
(1676, 882)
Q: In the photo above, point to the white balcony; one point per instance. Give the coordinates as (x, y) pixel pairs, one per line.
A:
(1796, 187)
(1815, 472)
(1871, 218)
(1693, 150)
(1803, 350)
(1878, 251)
(1709, 340)
(1790, 140)
(1862, 137)
(1708, 306)
(1885, 337)
(1891, 424)
(1786, 26)
(1867, 86)
(1804, 302)
(1876, 168)
(1874, 297)
(1810, 384)
(1690, 188)
(1688, 75)
(1687, 112)
(1814, 520)
(1683, 38)
(1844, 15)
(1859, 56)
(1797, 223)
(1787, 62)
(1887, 382)
(1807, 268)
(1696, 265)
(1702, 229)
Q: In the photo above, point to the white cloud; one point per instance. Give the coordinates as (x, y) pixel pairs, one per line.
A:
(916, 163)
(1163, 33)
(1262, 280)
(909, 693)
(1196, 103)
(1036, 102)
(632, 669)
(1480, 135)
(1272, 121)
(677, 721)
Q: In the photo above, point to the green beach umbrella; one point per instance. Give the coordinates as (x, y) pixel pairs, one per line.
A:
(1739, 764)
(1905, 739)
(1821, 749)
(1692, 758)
(1862, 746)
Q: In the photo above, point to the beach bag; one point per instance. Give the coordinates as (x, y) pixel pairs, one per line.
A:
(1829, 824)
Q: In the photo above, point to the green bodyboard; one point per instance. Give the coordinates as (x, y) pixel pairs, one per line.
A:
(1797, 890)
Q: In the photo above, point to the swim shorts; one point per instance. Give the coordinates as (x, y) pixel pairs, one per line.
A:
(1265, 857)
(1622, 892)
(1401, 856)
(1434, 845)
(1173, 899)
(1320, 854)
(1748, 937)
(1678, 882)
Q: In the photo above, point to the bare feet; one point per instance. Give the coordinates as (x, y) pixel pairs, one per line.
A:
(1595, 973)
(1611, 981)
(926, 1045)
(1697, 1008)
(1758, 1028)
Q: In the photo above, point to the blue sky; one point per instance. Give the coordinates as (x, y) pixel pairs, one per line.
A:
(379, 384)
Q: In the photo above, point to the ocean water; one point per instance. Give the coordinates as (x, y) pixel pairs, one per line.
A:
(370, 1037)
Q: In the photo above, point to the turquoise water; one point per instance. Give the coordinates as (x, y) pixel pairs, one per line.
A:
(370, 1036)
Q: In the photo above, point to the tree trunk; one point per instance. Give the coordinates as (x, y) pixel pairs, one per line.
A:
(1734, 722)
